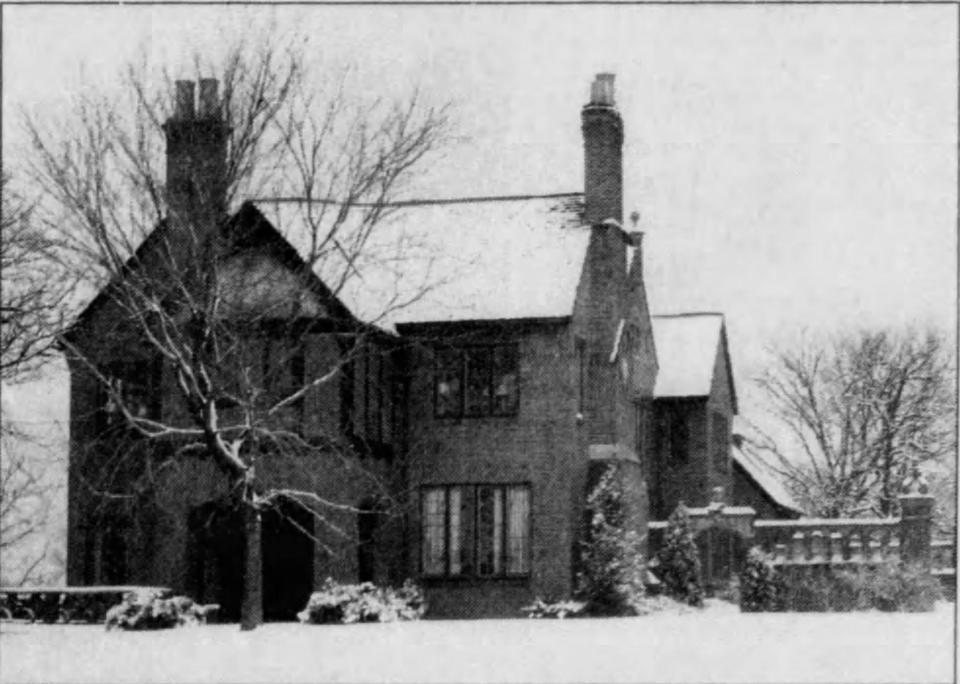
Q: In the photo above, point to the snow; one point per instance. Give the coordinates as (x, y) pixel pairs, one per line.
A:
(445, 260)
(687, 347)
(717, 644)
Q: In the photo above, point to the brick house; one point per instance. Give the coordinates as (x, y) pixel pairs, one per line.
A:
(522, 363)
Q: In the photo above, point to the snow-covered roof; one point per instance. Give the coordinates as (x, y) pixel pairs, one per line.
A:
(766, 478)
(687, 347)
(450, 260)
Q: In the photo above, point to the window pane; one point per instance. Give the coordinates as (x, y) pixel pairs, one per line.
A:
(489, 531)
(478, 381)
(448, 388)
(518, 527)
(433, 521)
(505, 396)
(456, 566)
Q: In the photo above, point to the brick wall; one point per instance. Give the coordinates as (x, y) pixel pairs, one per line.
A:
(541, 445)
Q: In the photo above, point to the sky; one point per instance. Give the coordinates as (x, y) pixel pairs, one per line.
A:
(794, 167)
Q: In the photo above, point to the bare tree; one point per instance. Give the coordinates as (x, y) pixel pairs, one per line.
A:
(192, 289)
(850, 417)
(34, 303)
(35, 293)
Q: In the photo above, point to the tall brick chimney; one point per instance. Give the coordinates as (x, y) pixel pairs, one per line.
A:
(196, 154)
(603, 153)
(606, 267)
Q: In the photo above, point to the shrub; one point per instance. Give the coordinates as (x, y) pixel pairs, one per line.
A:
(679, 560)
(885, 586)
(149, 610)
(761, 586)
(611, 572)
(558, 609)
(900, 587)
(366, 602)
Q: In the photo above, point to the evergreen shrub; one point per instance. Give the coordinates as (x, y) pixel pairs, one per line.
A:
(678, 560)
(349, 603)
(612, 570)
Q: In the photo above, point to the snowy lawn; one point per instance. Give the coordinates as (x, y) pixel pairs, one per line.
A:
(717, 644)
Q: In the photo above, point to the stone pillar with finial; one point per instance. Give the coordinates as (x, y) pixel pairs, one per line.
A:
(916, 518)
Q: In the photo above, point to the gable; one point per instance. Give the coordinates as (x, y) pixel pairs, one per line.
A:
(687, 347)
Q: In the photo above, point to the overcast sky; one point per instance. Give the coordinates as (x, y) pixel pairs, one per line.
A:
(794, 166)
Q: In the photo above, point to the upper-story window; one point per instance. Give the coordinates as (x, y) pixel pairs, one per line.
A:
(720, 443)
(476, 380)
(134, 390)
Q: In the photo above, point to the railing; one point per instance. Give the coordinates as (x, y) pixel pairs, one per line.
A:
(829, 541)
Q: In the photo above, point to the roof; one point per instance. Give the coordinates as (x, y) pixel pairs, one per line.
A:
(469, 259)
(686, 353)
(765, 478)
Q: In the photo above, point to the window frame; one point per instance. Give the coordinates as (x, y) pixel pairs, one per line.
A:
(470, 492)
(462, 354)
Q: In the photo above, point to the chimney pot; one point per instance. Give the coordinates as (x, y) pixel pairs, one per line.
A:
(209, 104)
(601, 90)
(184, 104)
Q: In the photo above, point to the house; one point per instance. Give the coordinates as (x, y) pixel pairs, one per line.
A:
(508, 361)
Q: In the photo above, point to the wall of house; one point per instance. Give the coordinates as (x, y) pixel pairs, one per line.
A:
(680, 477)
(720, 403)
(157, 524)
(542, 445)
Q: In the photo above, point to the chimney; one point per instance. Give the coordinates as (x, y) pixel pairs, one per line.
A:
(184, 108)
(196, 155)
(209, 105)
(603, 154)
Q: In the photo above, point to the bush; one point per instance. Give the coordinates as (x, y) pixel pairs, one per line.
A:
(611, 573)
(348, 603)
(886, 586)
(678, 560)
(761, 586)
(148, 610)
(558, 609)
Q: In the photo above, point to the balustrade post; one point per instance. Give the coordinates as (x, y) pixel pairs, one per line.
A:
(916, 519)
(836, 547)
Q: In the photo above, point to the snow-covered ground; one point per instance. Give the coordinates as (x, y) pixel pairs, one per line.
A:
(718, 644)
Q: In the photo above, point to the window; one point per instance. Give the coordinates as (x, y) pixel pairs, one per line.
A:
(474, 381)
(721, 443)
(134, 387)
(672, 433)
(475, 530)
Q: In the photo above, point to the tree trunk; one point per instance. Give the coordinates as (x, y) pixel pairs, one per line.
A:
(251, 610)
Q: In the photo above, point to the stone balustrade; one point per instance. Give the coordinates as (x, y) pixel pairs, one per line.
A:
(827, 541)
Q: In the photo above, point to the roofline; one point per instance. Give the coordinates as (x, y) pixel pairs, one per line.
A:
(415, 202)
(763, 490)
(415, 326)
(688, 314)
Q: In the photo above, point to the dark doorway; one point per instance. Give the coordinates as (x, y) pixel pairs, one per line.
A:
(288, 549)
(215, 556)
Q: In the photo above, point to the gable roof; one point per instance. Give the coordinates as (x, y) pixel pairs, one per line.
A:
(470, 259)
(687, 348)
(765, 478)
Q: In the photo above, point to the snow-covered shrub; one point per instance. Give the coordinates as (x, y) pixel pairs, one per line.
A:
(611, 572)
(558, 609)
(761, 586)
(678, 560)
(366, 602)
(149, 610)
